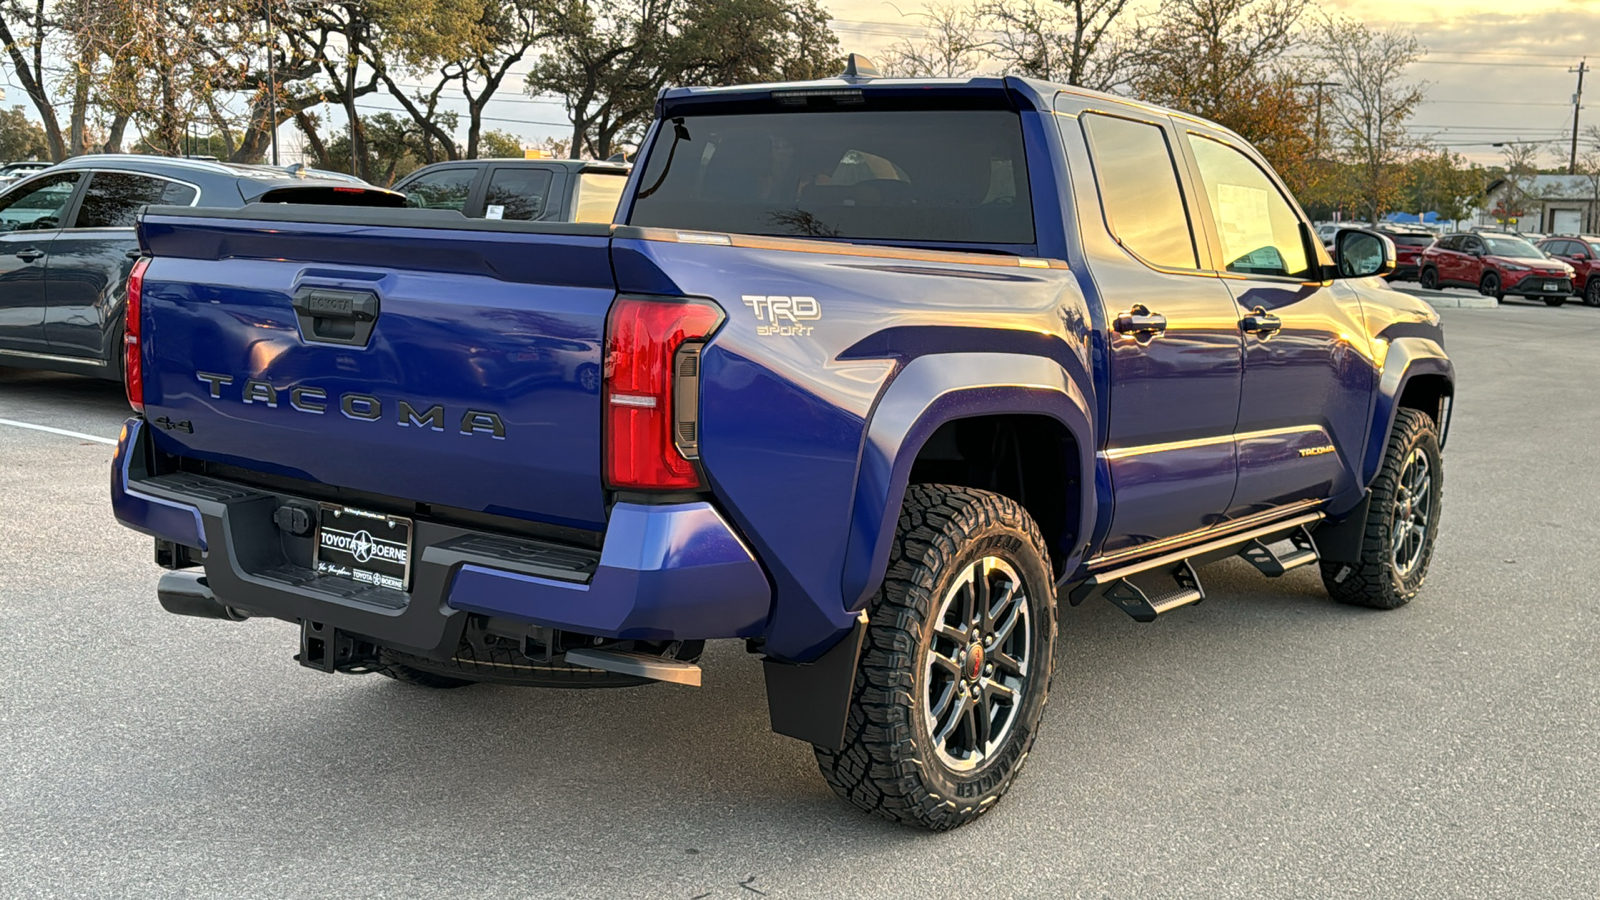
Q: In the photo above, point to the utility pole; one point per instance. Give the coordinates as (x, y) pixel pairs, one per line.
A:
(1577, 107)
(272, 81)
(1316, 148)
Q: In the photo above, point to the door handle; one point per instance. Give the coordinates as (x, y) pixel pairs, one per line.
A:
(30, 254)
(1141, 322)
(1260, 322)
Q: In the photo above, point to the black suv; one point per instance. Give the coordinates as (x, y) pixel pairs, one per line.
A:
(67, 243)
(531, 190)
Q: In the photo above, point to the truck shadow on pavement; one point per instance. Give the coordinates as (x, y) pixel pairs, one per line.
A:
(562, 773)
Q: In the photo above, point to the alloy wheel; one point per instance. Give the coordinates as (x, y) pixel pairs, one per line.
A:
(979, 663)
(1413, 513)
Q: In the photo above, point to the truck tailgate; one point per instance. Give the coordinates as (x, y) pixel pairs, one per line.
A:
(457, 366)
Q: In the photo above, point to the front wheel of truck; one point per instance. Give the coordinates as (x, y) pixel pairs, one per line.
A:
(956, 668)
(1402, 520)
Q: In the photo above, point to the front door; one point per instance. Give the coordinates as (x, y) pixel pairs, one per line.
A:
(30, 219)
(1173, 347)
(1308, 372)
(89, 261)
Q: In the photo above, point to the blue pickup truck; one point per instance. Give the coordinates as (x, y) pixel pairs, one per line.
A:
(874, 375)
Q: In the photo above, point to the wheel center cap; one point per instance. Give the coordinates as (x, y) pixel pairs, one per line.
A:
(974, 660)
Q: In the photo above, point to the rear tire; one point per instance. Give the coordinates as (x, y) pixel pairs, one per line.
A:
(1402, 521)
(957, 664)
(1554, 301)
(1429, 279)
(1591, 291)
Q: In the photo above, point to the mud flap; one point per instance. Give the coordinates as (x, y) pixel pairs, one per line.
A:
(1341, 541)
(811, 701)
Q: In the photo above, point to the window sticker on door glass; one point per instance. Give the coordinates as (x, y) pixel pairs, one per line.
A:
(1244, 218)
(494, 212)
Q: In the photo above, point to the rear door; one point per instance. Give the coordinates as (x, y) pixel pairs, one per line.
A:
(1174, 349)
(30, 216)
(521, 193)
(87, 274)
(1308, 376)
(1468, 263)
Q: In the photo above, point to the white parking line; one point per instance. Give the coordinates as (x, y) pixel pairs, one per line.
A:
(61, 431)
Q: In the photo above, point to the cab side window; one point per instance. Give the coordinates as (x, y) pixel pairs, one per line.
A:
(1139, 190)
(1259, 230)
(1470, 244)
(39, 205)
(517, 193)
(444, 189)
(113, 199)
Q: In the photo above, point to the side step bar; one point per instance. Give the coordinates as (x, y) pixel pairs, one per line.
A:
(639, 664)
(1269, 563)
(1144, 601)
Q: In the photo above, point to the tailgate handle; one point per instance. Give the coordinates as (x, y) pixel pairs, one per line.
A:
(332, 316)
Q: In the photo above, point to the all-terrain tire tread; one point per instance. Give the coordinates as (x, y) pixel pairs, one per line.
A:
(1371, 583)
(877, 770)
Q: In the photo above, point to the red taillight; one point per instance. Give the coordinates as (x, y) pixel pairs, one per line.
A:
(132, 361)
(647, 413)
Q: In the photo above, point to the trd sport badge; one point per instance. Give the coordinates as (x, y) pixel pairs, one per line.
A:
(784, 313)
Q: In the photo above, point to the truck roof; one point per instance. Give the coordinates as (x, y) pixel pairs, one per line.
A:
(1007, 91)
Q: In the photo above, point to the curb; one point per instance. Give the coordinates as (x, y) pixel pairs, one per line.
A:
(1459, 302)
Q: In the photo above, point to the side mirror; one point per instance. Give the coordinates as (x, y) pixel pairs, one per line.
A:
(1363, 254)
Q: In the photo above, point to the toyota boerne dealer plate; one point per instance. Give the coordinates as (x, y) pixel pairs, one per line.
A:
(367, 547)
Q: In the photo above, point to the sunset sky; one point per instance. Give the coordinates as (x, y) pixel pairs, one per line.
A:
(1496, 69)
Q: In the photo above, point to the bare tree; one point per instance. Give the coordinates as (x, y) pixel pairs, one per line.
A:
(1069, 41)
(952, 48)
(1370, 107)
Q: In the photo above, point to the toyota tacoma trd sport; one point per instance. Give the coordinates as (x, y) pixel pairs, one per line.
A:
(876, 376)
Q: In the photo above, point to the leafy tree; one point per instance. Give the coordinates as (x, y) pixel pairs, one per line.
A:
(20, 137)
(1443, 182)
(24, 28)
(500, 145)
(466, 48)
(394, 146)
(1370, 107)
(607, 59)
(1222, 60)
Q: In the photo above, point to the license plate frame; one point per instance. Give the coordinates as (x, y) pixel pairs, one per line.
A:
(365, 547)
(1552, 285)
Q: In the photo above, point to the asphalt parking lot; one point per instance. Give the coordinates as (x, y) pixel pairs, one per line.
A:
(1266, 743)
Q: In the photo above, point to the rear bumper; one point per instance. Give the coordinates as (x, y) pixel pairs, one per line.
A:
(668, 572)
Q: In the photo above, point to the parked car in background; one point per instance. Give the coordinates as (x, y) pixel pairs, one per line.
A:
(1408, 245)
(1497, 265)
(1582, 253)
(67, 243)
(528, 190)
(16, 170)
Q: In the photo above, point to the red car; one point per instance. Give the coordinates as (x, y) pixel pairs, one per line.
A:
(1408, 247)
(1497, 265)
(1582, 253)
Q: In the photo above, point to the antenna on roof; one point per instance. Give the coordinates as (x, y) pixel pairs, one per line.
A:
(859, 68)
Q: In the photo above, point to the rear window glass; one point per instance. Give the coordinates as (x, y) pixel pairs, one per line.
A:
(946, 176)
(598, 194)
(1412, 240)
